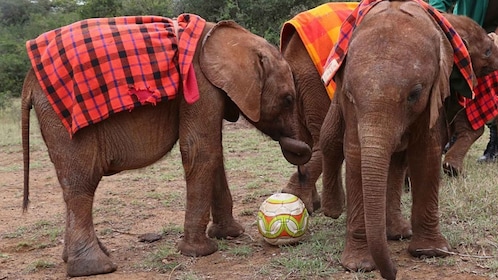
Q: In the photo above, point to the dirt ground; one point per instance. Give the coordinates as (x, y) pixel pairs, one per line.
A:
(137, 202)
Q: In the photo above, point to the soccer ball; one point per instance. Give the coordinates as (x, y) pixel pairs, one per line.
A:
(282, 219)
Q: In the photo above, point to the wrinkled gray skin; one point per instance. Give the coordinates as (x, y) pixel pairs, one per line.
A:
(237, 73)
(387, 114)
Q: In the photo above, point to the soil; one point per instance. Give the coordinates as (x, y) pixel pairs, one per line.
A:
(133, 203)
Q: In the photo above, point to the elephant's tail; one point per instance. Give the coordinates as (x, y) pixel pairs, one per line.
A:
(26, 104)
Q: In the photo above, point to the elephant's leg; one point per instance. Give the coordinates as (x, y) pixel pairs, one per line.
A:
(104, 249)
(84, 253)
(200, 178)
(223, 224)
(331, 143)
(202, 158)
(356, 255)
(302, 182)
(397, 226)
(79, 171)
(466, 136)
(427, 239)
(311, 107)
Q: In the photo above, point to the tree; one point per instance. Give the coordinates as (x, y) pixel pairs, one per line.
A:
(21, 20)
(147, 7)
(65, 6)
(14, 12)
(100, 8)
(262, 17)
(209, 10)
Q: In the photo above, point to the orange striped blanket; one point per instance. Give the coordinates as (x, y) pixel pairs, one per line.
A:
(319, 29)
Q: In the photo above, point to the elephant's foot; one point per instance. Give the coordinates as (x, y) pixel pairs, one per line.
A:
(429, 247)
(333, 200)
(332, 208)
(357, 258)
(198, 247)
(452, 169)
(231, 229)
(398, 228)
(102, 247)
(90, 262)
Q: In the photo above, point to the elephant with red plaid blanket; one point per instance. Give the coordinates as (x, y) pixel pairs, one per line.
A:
(231, 72)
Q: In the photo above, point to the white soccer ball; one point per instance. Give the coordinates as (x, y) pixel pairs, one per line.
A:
(282, 219)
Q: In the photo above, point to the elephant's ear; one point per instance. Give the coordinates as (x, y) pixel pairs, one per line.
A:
(230, 61)
(441, 88)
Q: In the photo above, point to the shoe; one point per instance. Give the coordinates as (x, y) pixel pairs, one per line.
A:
(491, 152)
(487, 158)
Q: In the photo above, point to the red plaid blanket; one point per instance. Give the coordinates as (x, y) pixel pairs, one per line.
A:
(336, 57)
(484, 106)
(94, 68)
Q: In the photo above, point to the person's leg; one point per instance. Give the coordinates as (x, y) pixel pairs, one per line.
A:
(491, 151)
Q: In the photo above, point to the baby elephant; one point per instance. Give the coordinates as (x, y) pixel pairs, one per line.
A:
(120, 100)
(467, 124)
(388, 115)
(306, 60)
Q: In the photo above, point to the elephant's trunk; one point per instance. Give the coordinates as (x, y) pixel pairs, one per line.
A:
(375, 161)
(295, 151)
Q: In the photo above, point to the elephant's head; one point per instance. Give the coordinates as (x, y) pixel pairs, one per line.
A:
(391, 89)
(481, 47)
(258, 82)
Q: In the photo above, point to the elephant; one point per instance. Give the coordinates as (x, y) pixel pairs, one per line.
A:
(314, 101)
(237, 73)
(484, 61)
(387, 117)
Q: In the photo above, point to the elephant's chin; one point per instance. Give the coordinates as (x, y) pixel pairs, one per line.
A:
(295, 151)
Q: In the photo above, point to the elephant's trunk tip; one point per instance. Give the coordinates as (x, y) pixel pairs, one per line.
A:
(295, 151)
(391, 275)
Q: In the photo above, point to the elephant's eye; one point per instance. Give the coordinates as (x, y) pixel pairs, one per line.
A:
(487, 53)
(288, 100)
(415, 93)
(349, 95)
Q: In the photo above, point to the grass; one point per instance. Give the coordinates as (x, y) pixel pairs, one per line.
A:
(39, 265)
(163, 259)
(10, 129)
(172, 229)
(41, 234)
(255, 169)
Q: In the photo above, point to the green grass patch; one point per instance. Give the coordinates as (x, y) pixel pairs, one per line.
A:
(240, 251)
(172, 229)
(164, 259)
(10, 130)
(39, 265)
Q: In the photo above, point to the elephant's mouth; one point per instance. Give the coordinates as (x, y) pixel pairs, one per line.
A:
(295, 151)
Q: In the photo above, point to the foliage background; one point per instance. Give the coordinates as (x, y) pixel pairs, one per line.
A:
(21, 20)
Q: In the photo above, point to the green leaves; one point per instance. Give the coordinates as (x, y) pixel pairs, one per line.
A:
(262, 17)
